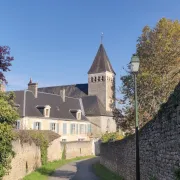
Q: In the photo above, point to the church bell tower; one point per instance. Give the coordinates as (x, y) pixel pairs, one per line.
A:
(101, 79)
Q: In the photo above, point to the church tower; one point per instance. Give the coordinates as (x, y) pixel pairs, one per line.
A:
(101, 79)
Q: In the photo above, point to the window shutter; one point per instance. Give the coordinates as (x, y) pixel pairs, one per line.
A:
(57, 128)
(39, 125)
(34, 125)
(64, 128)
(76, 128)
(71, 128)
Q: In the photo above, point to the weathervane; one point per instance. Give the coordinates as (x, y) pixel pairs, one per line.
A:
(102, 37)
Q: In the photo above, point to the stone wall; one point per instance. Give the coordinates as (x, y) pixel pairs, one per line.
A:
(77, 149)
(101, 124)
(26, 160)
(159, 146)
(28, 156)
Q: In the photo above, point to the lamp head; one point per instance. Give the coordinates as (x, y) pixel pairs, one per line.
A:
(134, 64)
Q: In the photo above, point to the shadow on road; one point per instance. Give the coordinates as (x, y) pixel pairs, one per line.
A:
(84, 169)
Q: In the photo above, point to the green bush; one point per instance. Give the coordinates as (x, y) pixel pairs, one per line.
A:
(8, 116)
(107, 137)
(64, 152)
(177, 174)
(6, 152)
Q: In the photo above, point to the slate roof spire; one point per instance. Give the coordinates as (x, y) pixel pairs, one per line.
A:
(101, 62)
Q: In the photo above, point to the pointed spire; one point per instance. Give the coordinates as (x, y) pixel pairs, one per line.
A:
(101, 62)
(30, 81)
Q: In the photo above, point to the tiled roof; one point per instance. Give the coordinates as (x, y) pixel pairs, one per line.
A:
(75, 90)
(59, 109)
(94, 107)
(101, 62)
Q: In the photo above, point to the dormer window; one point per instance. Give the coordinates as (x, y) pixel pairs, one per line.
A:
(76, 113)
(44, 110)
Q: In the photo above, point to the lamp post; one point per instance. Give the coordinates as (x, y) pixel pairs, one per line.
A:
(134, 69)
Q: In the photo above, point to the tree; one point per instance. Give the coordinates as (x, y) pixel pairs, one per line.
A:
(5, 61)
(8, 115)
(159, 52)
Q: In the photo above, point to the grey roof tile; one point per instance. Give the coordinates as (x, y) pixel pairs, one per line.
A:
(93, 107)
(101, 62)
(75, 90)
(59, 109)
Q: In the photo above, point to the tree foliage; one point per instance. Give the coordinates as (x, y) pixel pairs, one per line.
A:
(159, 51)
(5, 61)
(8, 115)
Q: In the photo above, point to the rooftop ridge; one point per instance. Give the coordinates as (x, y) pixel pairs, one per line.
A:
(63, 85)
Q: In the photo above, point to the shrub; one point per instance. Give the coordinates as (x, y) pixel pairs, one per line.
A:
(107, 137)
(177, 174)
(64, 152)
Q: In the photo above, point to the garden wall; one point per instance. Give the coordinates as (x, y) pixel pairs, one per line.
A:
(159, 146)
(28, 155)
(77, 148)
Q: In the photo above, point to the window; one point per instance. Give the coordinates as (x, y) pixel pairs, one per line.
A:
(82, 128)
(91, 79)
(78, 115)
(52, 126)
(102, 78)
(94, 79)
(64, 128)
(18, 124)
(37, 125)
(64, 140)
(73, 128)
(99, 78)
(47, 112)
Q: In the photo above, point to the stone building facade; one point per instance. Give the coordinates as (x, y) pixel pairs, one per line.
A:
(73, 111)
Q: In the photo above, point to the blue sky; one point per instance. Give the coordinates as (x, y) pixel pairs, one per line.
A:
(55, 42)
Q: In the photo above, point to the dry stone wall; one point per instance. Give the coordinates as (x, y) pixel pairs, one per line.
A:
(159, 146)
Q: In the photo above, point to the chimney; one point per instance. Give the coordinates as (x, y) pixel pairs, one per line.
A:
(2, 87)
(63, 94)
(33, 87)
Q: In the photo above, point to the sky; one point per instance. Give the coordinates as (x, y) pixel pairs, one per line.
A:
(55, 41)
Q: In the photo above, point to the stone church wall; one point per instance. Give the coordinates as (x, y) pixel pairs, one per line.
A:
(159, 146)
(101, 124)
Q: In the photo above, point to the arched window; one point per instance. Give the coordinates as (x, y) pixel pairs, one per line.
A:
(91, 79)
(99, 78)
(95, 79)
(102, 78)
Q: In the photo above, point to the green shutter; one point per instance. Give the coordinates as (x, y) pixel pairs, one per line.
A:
(57, 128)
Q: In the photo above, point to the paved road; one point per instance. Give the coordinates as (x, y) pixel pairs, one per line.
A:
(80, 170)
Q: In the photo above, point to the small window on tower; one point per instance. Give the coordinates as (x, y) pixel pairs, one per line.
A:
(99, 78)
(91, 79)
(102, 78)
(95, 79)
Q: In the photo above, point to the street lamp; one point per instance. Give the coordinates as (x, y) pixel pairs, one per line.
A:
(134, 69)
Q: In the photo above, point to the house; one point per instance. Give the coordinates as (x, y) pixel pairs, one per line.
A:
(73, 111)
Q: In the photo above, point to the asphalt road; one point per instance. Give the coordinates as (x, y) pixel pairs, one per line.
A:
(80, 170)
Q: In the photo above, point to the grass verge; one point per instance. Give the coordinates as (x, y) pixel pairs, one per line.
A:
(44, 171)
(105, 174)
